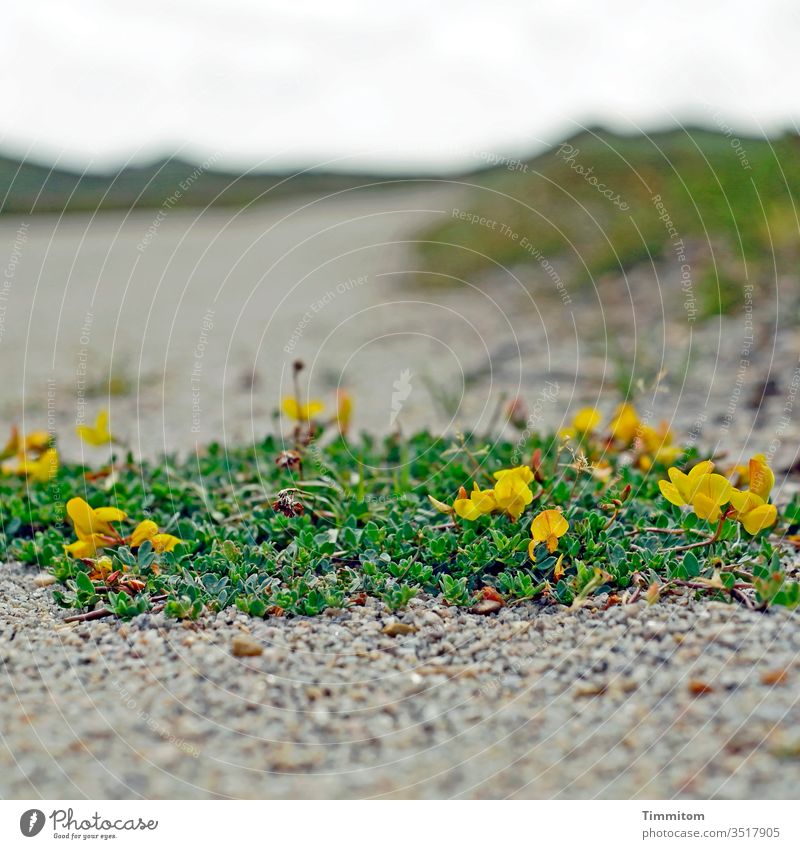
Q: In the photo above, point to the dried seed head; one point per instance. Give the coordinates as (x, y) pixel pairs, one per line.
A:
(287, 504)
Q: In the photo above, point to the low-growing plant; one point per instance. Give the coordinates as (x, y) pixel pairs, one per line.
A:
(622, 511)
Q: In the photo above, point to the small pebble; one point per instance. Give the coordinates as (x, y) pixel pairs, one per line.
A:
(242, 646)
(44, 579)
(397, 629)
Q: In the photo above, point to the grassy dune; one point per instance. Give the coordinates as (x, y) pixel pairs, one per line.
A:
(604, 202)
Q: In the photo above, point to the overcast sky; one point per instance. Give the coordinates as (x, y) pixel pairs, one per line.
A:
(411, 84)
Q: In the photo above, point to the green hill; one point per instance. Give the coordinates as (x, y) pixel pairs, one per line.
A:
(30, 188)
(602, 202)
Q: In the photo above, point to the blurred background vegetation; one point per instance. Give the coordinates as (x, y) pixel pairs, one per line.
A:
(732, 204)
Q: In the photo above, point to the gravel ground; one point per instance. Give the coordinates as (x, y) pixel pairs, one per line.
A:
(682, 699)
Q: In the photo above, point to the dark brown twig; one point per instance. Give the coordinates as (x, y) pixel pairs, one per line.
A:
(92, 614)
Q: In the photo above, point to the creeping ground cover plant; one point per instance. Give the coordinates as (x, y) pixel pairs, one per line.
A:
(311, 518)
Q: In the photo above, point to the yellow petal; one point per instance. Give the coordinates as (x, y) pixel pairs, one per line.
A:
(81, 515)
(110, 514)
(523, 473)
(671, 493)
(625, 424)
(716, 488)
(344, 411)
(668, 454)
(681, 484)
(703, 468)
(103, 567)
(547, 524)
(165, 542)
(301, 412)
(143, 531)
(42, 469)
(512, 494)
(586, 420)
(759, 518)
(313, 408)
(97, 434)
(37, 441)
(291, 408)
(86, 547)
(706, 508)
(514, 509)
(79, 549)
(466, 509)
(484, 500)
(762, 478)
(440, 505)
(650, 437)
(744, 502)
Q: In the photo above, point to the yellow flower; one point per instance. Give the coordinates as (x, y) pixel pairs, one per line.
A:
(301, 412)
(704, 491)
(148, 530)
(42, 468)
(584, 423)
(657, 446)
(35, 459)
(625, 424)
(35, 442)
(751, 507)
(89, 521)
(93, 527)
(344, 411)
(143, 531)
(512, 491)
(510, 495)
(681, 488)
(479, 503)
(87, 547)
(165, 542)
(547, 527)
(95, 530)
(761, 478)
(524, 473)
(98, 433)
(753, 512)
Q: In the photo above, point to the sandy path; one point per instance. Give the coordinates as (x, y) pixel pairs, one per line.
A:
(203, 315)
(198, 317)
